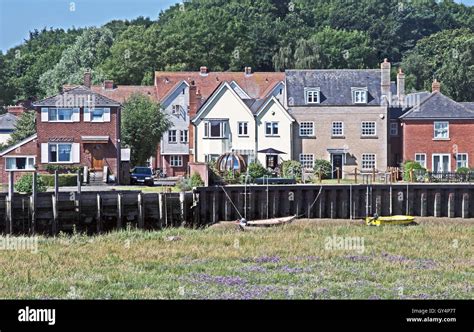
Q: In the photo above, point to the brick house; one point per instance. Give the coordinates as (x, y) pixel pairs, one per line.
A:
(79, 127)
(438, 132)
(20, 158)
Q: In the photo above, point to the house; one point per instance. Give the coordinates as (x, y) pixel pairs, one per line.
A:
(438, 132)
(8, 121)
(343, 116)
(79, 127)
(183, 94)
(20, 158)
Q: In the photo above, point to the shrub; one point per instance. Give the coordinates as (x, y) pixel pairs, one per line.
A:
(63, 168)
(256, 170)
(65, 180)
(291, 169)
(418, 170)
(25, 184)
(322, 167)
(184, 184)
(196, 180)
(463, 170)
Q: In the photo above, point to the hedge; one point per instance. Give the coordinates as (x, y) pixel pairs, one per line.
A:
(65, 180)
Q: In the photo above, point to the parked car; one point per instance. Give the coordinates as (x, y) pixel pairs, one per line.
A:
(141, 175)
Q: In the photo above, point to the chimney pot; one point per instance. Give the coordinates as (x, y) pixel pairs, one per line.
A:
(203, 70)
(108, 85)
(401, 87)
(385, 68)
(87, 79)
(248, 70)
(16, 110)
(436, 86)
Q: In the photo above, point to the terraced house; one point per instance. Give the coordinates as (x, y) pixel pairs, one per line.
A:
(343, 116)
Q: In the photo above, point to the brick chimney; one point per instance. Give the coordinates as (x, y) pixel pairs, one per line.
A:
(108, 85)
(16, 110)
(248, 71)
(401, 87)
(436, 86)
(87, 79)
(203, 71)
(195, 101)
(385, 68)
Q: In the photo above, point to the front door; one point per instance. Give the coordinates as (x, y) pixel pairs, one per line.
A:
(336, 160)
(97, 155)
(441, 163)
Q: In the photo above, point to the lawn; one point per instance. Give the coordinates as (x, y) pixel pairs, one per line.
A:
(432, 260)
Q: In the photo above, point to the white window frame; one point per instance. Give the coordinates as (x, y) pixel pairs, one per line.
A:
(272, 129)
(102, 118)
(57, 153)
(457, 160)
(306, 129)
(26, 164)
(174, 136)
(57, 114)
(307, 158)
(207, 129)
(435, 130)
(441, 155)
(362, 161)
(312, 96)
(363, 93)
(175, 109)
(333, 128)
(424, 157)
(362, 128)
(393, 128)
(184, 136)
(176, 161)
(243, 128)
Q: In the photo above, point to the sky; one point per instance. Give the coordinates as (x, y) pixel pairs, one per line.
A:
(18, 17)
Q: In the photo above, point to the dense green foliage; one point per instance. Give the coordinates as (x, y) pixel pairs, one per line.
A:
(256, 170)
(291, 169)
(413, 168)
(264, 34)
(25, 184)
(188, 183)
(65, 180)
(24, 127)
(143, 125)
(322, 168)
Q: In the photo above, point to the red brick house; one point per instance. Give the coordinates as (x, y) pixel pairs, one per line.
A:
(79, 127)
(438, 132)
(20, 158)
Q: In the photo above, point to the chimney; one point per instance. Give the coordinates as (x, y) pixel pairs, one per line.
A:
(436, 86)
(195, 101)
(203, 71)
(17, 110)
(385, 68)
(401, 87)
(108, 85)
(87, 79)
(248, 71)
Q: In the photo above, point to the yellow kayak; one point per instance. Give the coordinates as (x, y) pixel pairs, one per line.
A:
(392, 220)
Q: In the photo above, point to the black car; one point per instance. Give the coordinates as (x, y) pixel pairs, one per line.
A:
(141, 175)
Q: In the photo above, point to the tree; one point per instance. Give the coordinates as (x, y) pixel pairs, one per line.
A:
(143, 125)
(24, 127)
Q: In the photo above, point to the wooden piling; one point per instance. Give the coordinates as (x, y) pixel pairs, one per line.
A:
(437, 205)
(451, 211)
(424, 205)
(99, 214)
(54, 202)
(9, 203)
(141, 211)
(465, 206)
(33, 203)
(119, 210)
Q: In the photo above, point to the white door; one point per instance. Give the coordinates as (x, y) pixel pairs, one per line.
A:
(441, 163)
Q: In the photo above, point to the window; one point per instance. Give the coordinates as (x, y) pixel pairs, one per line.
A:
(312, 96)
(461, 160)
(97, 114)
(60, 153)
(359, 96)
(215, 129)
(393, 129)
(243, 128)
(441, 130)
(368, 161)
(176, 161)
(307, 129)
(60, 114)
(184, 136)
(16, 163)
(271, 128)
(421, 159)
(368, 128)
(172, 136)
(307, 160)
(175, 109)
(337, 128)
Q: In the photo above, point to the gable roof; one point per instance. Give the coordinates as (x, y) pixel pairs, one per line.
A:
(17, 145)
(334, 84)
(77, 96)
(438, 106)
(257, 85)
(7, 121)
(270, 100)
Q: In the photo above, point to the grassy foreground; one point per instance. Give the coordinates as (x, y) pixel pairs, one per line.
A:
(432, 260)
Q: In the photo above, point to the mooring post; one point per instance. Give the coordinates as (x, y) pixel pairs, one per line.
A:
(33, 203)
(54, 202)
(141, 212)
(183, 207)
(161, 208)
(391, 200)
(373, 174)
(119, 211)
(98, 214)
(451, 212)
(367, 202)
(465, 206)
(338, 175)
(378, 204)
(424, 205)
(437, 205)
(9, 203)
(355, 175)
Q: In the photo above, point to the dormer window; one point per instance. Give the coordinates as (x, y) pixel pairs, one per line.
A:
(312, 95)
(359, 95)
